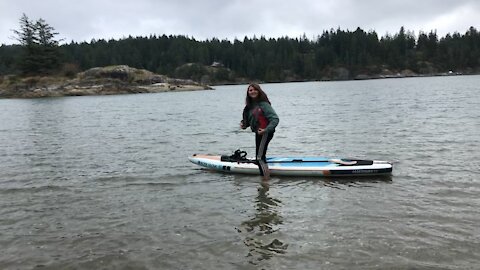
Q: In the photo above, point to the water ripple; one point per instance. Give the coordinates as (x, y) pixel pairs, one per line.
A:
(104, 182)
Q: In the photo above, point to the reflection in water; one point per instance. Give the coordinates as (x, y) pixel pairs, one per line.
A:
(361, 181)
(261, 228)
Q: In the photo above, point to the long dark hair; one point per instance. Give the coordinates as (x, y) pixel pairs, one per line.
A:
(262, 96)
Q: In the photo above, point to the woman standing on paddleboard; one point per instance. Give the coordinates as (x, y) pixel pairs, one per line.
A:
(259, 115)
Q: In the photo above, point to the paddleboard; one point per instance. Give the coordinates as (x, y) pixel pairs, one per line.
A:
(295, 166)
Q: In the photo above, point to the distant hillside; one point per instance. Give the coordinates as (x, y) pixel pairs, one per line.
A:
(333, 55)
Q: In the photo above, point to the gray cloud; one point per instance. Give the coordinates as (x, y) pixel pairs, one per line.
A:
(96, 19)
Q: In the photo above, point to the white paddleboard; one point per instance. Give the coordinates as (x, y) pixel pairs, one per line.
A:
(296, 166)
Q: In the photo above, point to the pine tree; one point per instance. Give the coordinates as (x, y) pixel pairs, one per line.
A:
(41, 53)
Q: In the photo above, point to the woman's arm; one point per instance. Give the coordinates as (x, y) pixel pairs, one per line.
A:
(271, 115)
(245, 123)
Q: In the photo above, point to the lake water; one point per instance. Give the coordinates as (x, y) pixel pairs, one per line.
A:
(103, 182)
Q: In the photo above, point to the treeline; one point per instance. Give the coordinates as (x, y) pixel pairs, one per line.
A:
(273, 59)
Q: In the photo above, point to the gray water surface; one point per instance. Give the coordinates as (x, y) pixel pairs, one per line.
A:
(104, 182)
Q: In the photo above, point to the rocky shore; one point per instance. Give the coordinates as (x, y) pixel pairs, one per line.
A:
(122, 79)
(111, 80)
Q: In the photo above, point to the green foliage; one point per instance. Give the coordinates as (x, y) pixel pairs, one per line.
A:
(348, 53)
(191, 71)
(8, 58)
(40, 53)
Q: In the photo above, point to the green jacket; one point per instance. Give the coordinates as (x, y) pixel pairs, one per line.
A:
(250, 119)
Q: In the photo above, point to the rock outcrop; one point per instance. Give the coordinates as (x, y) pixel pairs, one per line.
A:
(109, 80)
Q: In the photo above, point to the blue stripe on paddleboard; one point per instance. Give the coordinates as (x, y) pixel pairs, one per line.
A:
(304, 164)
(292, 159)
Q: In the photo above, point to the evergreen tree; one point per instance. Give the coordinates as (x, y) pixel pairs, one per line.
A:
(41, 54)
(273, 59)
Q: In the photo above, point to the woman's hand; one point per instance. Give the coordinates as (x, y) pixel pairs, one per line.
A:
(242, 126)
(260, 131)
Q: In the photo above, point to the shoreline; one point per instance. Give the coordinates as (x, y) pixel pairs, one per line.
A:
(111, 80)
(96, 90)
(361, 78)
(49, 86)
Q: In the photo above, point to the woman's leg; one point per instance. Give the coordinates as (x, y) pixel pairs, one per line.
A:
(261, 143)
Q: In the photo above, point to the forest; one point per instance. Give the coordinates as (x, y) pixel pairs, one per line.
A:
(335, 54)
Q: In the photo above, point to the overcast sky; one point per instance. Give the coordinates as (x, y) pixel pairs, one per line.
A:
(228, 19)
